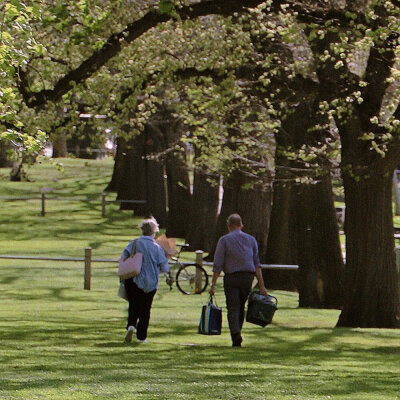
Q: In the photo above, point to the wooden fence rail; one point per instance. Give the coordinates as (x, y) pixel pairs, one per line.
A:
(88, 260)
(45, 198)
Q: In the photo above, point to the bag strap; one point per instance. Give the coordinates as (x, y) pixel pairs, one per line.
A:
(273, 297)
(134, 248)
(212, 300)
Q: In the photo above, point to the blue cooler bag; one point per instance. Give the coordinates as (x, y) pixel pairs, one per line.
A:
(210, 319)
(261, 309)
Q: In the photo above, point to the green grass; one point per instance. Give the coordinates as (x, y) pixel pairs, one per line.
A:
(58, 341)
(68, 226)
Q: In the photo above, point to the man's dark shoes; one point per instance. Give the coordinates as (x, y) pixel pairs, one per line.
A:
(237, 340)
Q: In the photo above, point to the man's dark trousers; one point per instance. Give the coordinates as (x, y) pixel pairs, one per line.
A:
(237, 287)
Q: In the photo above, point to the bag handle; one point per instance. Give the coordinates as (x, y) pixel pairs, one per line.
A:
(268, 296)
(273, 297)
(212, 300)
(133, 248)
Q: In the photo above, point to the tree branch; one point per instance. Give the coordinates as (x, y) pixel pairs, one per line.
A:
(380, 63)
(114, 45)
(307, 13)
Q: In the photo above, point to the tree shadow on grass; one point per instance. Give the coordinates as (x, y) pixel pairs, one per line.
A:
(82, 344)
(9, 279)
(62, 225)
(84, 352)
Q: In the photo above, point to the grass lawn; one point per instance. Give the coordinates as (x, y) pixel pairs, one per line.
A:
(69, 226)
(58, 341)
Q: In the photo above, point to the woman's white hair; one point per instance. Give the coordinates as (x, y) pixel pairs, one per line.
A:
(149, 226)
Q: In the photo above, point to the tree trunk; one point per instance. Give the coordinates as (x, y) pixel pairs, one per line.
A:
(281, 245)
(17, 172)
(131, 184)
(137, 178)
(304, 228)
(252, 204)
(140, 167)
(154, 182)
(371, 298)
(59, 142)
(304, 231)
(4, 161)
(372, 281)
(204, 208)
(167, 129)
(120, 154)
(179, 197)
(83, 142)
(320, 283)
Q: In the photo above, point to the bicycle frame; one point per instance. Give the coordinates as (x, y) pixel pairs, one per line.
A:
(174, 267)
(190, 278)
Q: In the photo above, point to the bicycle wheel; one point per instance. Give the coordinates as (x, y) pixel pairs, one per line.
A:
(187, 281)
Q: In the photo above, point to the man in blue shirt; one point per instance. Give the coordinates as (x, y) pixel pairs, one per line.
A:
(237, 256)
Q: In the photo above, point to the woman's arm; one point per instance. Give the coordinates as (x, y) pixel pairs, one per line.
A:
(163, 260)
(127, 251)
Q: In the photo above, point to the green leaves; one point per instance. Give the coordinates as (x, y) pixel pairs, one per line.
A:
(25, 146)
(166, 7)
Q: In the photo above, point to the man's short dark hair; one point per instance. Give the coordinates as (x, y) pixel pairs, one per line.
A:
(235, 220)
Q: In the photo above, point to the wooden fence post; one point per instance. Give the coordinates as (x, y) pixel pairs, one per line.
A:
(199, 261)
(88, 268)
(103, 204)
(43, 213)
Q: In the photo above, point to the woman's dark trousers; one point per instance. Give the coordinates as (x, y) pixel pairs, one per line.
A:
(237, 287)
(139, 308)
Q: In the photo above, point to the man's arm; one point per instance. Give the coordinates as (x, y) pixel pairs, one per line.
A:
(260, 280)
(219, 259)
(213, 283)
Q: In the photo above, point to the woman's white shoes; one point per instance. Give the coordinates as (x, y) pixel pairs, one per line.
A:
(129, 334)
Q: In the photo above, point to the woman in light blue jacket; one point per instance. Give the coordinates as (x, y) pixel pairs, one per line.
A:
(142, 288)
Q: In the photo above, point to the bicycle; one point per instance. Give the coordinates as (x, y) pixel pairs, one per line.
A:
(189, 278)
